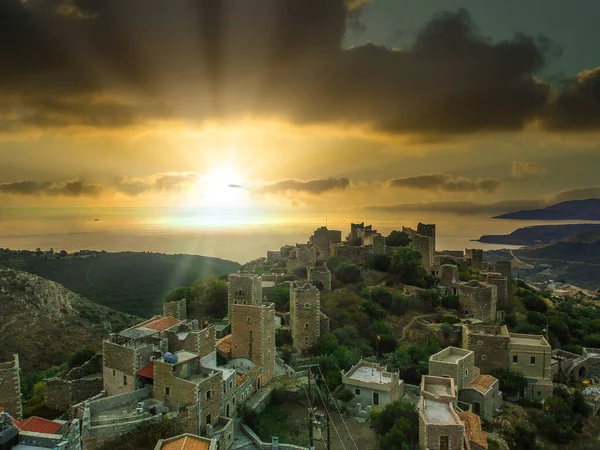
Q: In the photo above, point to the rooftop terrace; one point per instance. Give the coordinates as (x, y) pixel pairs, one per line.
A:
(439, 413)
(371, 375)
(450, 355)
(528, 339)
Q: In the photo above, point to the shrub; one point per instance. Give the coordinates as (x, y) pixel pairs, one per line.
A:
(348, 273)
(80, 356)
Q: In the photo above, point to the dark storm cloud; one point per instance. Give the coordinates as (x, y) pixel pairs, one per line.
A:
(214, 59)
(69, 189)
(315, 187)
(460, 208)
(445, 182)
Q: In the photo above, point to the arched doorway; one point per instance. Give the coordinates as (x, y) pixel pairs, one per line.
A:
(581, 373)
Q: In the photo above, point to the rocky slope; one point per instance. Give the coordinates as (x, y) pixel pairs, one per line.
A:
(44, 322)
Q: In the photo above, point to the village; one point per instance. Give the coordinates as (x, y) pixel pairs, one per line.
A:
(199, 379)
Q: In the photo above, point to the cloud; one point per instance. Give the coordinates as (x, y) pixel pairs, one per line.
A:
(75, 188)
(445, 182)
(199, 60)
(461, 208)
(523, 168)
(577, 105)
(578, 193)
(314, 187)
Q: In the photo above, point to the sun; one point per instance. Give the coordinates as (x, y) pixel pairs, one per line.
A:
(222, 187)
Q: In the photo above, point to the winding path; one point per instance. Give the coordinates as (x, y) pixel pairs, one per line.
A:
(412, 322)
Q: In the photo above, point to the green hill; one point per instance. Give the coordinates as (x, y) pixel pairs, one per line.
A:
(134, 283)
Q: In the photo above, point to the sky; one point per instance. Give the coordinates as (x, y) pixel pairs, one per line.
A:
(382, 104)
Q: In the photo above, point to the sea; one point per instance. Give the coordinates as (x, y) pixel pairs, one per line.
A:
(236, 234)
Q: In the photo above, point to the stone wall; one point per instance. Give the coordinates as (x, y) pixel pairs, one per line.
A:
(175, 392)
(490, 344)
(305, 315)
(301, 256)
(428, 230)
(424, 245)
(177, 309)
(502, 288)
(61, 394)
(521, 357)
(243, 289)
(121, 364)
(322, 239)
(474, 257)
(461, 369)
(320, 275)
(349, 254)
(10, 387)
(477, 300)
(489, 402)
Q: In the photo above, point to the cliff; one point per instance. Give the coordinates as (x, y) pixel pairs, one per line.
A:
(44, 322)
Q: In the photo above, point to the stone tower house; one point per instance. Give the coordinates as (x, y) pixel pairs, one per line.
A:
(243, 289)
(428, 229)
(305, 315)
(322, 239)
(177, 309)
(320, 275)
(474, 257)
(10, 388)
(253, 336)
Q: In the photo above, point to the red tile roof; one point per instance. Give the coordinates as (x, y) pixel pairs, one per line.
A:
(39, 425)
(162, 323)
(483, 383)
(188, 442)
(473, 428)
(148, 371)
(1, 409)
(224, 345)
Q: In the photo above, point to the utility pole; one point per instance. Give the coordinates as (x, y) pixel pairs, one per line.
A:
(328, 420)
(310, 414)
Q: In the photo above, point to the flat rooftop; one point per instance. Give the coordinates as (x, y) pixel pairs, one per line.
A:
(438, 389)
(450, 355)
(240, 365)
(123, 413)
(185, 356)
(370, 375)
(524, 339)
(438, 412)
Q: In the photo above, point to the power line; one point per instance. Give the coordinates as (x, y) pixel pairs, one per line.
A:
(338, 409)
(331, 418)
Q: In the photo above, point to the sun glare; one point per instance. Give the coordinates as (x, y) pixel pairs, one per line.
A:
(221, 187)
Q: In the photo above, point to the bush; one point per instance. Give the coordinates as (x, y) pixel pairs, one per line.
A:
(406, 263)
(396, 426)
(380, 262)
(450, 302)
(80, 356)
(398, 239)
(511, 382)
(348, 273)
(346, 396)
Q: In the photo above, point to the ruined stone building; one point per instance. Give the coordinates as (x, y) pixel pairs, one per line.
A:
(177, 309)
(477, 300)
(423, 240)
(502, 290)
(474, 257)
(302, 255)
(322, 239)
(320, 276)
(447, 274)
(372, 385)
(305, 315)
(350, 254)
(428, 230)
(496, 348)
(360, 230)
(482, 392)
(10, 387)
(376, 242)
(440, 427)
(243, 289)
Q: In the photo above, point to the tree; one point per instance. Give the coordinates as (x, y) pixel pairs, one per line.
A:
(396, 426)
(511, 382)
(397, 239)
(381, 296)
(180, 293)
(348, 273)
(379, 262)
(450, 301)
(399, 304)
(346, 396)
(80, 356)
(211, 295)
(406, 263)
(281, 297)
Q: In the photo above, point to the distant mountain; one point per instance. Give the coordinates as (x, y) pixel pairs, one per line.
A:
(130, 282)
(44, 322)
(572, 210)
(582, 248)
(538, 234)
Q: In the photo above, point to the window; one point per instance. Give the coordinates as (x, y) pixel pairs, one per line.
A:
(167, 391)
(515, 359)
(235, 302)
(466, 372)
(444, 443)
(532, 360)
(483, 357)
(249, 319)
(306, 326)
(356, 391)
(208, 394)
(479, 342)
(245, 302)
(233, 401)
(239, 293)
(208, 419)
(124, 380)
(230, 384)
(376, 398)
(114, 373)
(307, 306)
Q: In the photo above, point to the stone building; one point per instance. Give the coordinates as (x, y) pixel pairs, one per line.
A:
(360, 230)
(38, 433)
(504, 268)
(305, 315)
(474, 257)
(477, 300)
(302, 255)
(10, 387)
(322, 239)
(502, 290)
(253, 336)
(320, 276)
(376, 242)
(532, 356)
(177, 309)
(473, 431)
(372, 385)
(482, 392)
(350, 254)
(428, 230)
(243, 289)
(423, 244)
(440, 427)
(490, 343)
(79, 384)
(447, 274)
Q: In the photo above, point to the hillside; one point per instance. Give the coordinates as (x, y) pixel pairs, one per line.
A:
(539, 234)
(44, 322)
(134, 283)
(583, 247)
(572, 210)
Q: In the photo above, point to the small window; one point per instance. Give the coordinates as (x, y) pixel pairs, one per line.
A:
(233, 401)
(515, 359)
(167, 391)
(356, 391)
(532, 360)
(306, 326)
(479, 342)
(208, 394)
(466, 372)
(124, 380)
(235, 302)
(307, 306)
(249, 319)
(208, 419)
(244, 302)
(483, 357)
(114, 373)
(230, 384)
